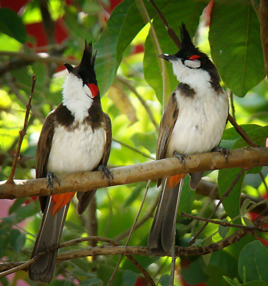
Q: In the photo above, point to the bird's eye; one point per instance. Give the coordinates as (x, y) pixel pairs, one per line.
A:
(193, 57)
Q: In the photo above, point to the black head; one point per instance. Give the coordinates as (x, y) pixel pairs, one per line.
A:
(85, 70)
(192, 58)
(190, 55)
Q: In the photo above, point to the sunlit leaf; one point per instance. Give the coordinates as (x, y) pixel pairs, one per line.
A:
(11, 24)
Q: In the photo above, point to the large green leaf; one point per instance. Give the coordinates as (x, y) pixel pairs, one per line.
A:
(253, 261)
(232, 202)
(187, 197)
(123, 25)
(106, 63)
(11, 25)
(236, 46)
(175, 12)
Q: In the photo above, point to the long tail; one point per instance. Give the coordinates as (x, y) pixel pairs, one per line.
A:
(162, 234)
(49, 235)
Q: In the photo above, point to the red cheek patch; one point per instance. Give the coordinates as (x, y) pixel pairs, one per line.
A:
(94, 89)
(194, 57)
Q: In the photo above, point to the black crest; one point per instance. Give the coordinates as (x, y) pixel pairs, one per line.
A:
(186, 41)
(85, 70)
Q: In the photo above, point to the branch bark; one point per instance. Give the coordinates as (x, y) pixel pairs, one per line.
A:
(246, 158)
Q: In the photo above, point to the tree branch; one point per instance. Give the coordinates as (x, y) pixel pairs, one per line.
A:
(226, 224)
(22, 134)
(241, 132)
(38, 58)
(246, 158)
(226, 194)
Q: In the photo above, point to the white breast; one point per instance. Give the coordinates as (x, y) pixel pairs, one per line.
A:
(76, 150)
(200, 123)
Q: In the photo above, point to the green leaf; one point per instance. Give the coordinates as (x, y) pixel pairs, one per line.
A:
(175, 12)
(147, 140)
(223, 230)
(165, 280)
(4, 281)
(248, 222)
(256, 283)
(134, 194)
(4, 240)
(258, 135)
(232, 202)
(187, 197)
(234, 282)
(195, 273)
(17, 203)
(11, 25)
(237, 52)
(254, 259)
(17, 239)
(244, 208)
(92, 282)
(106, 64)
(26, 211)
(224, 261)
(129, 277)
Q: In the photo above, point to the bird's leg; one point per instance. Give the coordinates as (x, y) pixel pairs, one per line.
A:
(50, 177)
(180, 157)
(105, 171)
(224, 151)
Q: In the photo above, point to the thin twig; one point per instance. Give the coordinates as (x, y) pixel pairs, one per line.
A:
(231, 95)
(219, 203)
(149, 279)
(142, 101)
(140, 223)
(158, 50)
(14, 89)
(22, 134)
(133, 149)
(226, 224)
(170, 31)
(38, 58)
(242, 133)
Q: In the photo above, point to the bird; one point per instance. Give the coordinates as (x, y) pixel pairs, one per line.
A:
(76, 137)
(193, 122)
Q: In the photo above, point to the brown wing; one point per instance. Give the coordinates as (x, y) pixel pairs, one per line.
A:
(43, 150)
(84, 198)
(166, 127)
(107, 147)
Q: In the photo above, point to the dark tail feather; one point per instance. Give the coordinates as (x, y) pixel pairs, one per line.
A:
(162, 234)
(49, 235)
(84, 199)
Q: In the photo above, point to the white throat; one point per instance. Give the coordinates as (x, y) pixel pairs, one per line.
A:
(198, 79)
(75, 98)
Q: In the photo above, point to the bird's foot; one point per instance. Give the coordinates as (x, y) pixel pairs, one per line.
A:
(50, 177)
(180, 157)
(105, 171)
(224, 151)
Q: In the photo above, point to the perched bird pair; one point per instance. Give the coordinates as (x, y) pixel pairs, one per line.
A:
(76, 137)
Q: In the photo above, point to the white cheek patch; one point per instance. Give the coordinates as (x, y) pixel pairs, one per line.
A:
(193, 64)
(87, 91)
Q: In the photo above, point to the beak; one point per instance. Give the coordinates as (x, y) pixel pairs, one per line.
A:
(168, 57)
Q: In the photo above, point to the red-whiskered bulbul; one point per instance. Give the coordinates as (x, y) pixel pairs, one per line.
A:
(76, 137)
(193, 122)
